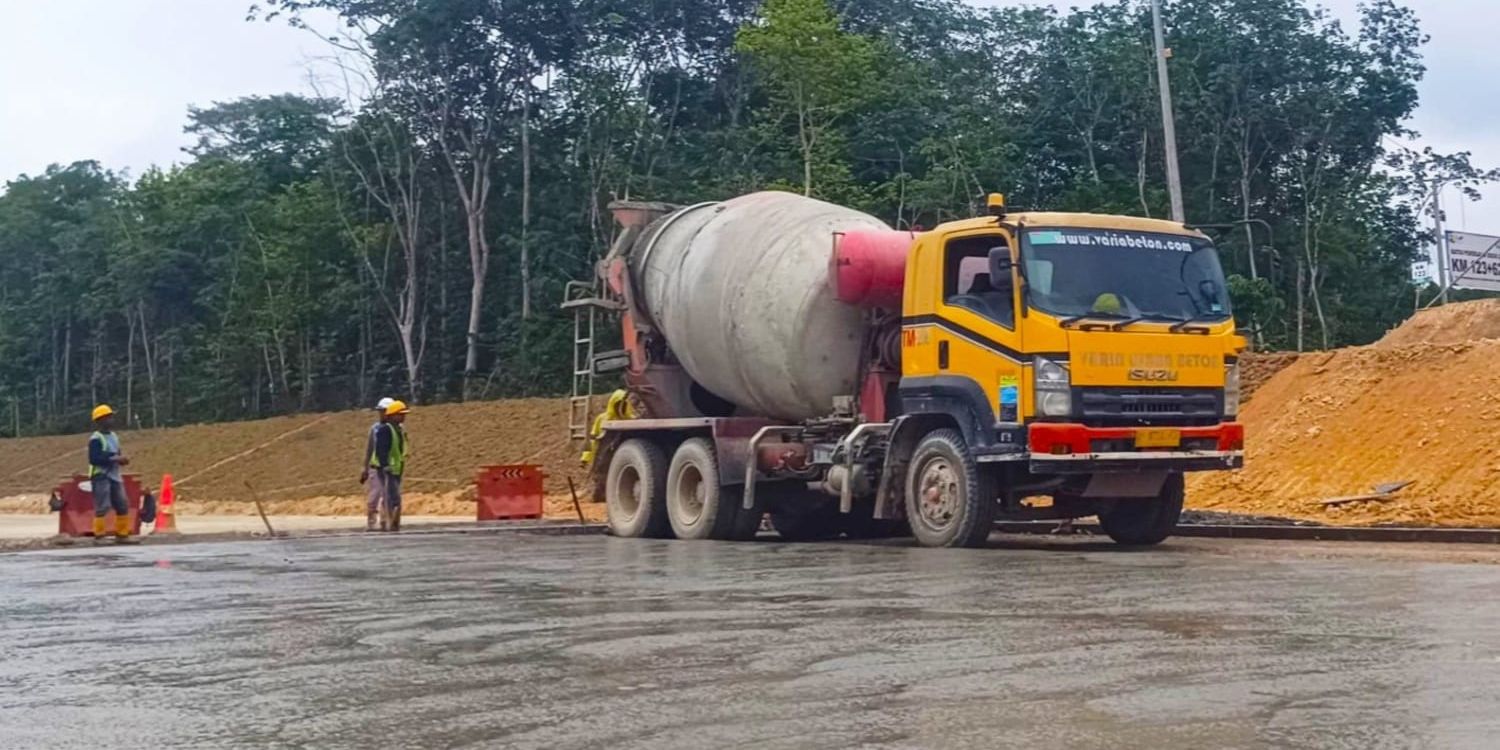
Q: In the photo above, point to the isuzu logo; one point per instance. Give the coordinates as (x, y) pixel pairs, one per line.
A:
(1153, 376)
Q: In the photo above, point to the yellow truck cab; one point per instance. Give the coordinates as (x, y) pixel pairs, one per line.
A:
(1089, 357)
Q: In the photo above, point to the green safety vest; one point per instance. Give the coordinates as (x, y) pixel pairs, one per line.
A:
(95, 471)
(397, 463)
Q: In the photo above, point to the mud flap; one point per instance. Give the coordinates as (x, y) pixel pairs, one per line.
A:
(1144, 484)
(905, 433)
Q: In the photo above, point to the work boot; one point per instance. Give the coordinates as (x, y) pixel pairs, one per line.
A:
(98, 529)
(122, 530)
(372, 521)
(385, 520)
(395, 519)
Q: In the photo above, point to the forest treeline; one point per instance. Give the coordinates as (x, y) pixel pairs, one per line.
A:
(408, 228)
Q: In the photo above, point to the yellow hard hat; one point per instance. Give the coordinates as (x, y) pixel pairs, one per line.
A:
(1108, 303)
(101, 411)
(396, 407)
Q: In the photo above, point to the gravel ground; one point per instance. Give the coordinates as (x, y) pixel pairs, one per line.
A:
(524, 641)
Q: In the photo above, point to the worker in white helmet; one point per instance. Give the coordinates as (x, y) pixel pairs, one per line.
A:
(375, 519)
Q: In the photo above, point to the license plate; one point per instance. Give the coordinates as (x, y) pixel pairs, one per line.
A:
(1158, 438)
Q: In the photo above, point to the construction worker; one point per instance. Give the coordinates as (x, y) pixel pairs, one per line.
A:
(389, 461)
(105, 479)
(617, 408)
(374, 491)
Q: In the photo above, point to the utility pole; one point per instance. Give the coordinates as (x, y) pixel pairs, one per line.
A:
(1444, 272)
(1168, 124)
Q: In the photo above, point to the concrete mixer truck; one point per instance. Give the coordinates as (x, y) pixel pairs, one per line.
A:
(790, 357)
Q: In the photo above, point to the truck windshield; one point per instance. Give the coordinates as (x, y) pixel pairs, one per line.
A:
(1075, 273)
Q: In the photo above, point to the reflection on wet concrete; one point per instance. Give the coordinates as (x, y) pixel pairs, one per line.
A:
(584, 642)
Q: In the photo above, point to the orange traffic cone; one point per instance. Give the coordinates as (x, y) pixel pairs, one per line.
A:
(166, 523)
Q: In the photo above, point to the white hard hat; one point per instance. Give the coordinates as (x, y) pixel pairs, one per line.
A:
(383, 403)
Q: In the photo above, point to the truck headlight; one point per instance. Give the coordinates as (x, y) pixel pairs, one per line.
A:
(1054, 391)
(1232, 389)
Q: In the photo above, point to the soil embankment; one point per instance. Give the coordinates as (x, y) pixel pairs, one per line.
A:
(1418, 406)
(309, 464)
(1257, 369)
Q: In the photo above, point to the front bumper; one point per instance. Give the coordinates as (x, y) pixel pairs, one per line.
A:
(1080, 449)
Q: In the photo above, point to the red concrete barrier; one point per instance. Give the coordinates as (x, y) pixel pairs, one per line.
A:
(77, 515)
(509, 492)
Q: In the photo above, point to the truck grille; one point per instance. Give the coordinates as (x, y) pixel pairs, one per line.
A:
(1115, 407)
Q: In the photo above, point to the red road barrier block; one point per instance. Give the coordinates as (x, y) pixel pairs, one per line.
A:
(510, 492)
(77, 515)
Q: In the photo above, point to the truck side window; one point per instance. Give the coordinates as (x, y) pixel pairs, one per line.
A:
(967, 282)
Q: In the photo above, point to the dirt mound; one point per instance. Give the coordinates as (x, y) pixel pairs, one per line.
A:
(1336, 424)
(1450, 324)
(311, 461)
(1257, 368)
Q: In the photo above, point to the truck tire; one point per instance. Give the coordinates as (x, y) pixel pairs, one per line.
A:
(697, 505)
(1142, 522)
(802, 515)
(949, 501)
(635, 491)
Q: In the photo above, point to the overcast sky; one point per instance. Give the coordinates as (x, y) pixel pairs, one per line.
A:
(112, 79)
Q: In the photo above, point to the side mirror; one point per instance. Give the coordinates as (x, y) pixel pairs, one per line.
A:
(1000, 266)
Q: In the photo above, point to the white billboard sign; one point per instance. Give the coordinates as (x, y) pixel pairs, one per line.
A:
(1473, 261)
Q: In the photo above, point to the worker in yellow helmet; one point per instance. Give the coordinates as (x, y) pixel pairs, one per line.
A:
(389, 462)
(617, 408)
(105, 479)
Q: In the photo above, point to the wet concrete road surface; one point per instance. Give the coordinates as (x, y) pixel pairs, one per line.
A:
(585, 642)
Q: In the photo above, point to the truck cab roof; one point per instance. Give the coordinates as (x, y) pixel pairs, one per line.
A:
(1079, 220)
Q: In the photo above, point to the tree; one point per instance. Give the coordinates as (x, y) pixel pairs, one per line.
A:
(58, 231)
(286, 136)
(393, 173)
(816, 75)
(1425, 174)
(403, 236)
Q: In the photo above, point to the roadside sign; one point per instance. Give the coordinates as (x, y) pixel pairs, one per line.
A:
(1474, 261)
(1421, 272)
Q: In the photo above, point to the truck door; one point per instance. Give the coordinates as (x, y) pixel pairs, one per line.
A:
(964, 333)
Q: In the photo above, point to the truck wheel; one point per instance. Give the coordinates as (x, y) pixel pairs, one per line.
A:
(949, 502)
(1145, 521)
(635, 497)
(802, 515)
(698, 506)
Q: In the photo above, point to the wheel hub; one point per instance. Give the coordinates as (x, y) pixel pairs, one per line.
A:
(631, 491)
(939, 493)
(691, 494)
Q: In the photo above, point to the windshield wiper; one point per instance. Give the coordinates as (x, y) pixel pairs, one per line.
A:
(1068, 322)
(1152, 318)
(1193, 323)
